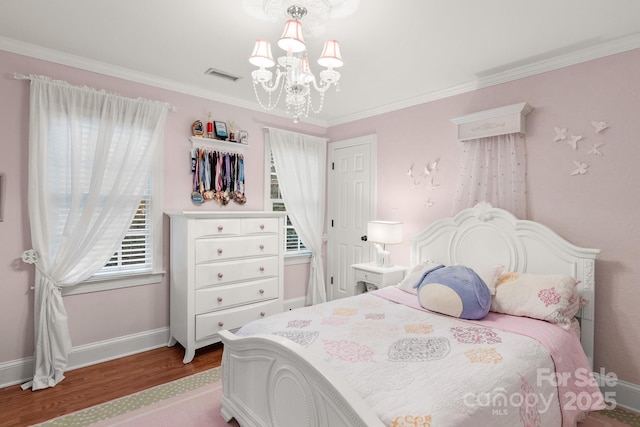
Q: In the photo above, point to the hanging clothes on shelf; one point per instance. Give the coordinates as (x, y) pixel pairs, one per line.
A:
(217, 176)
(196, 195)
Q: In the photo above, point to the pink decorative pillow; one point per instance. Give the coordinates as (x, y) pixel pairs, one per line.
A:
(550, 297)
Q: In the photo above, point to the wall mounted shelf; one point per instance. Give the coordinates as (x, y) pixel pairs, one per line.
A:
(218, 144)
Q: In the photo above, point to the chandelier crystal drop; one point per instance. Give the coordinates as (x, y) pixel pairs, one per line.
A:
(293, 74)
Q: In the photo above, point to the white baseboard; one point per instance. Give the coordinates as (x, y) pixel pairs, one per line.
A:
(292, 303)
(21, 370)
(626, 394)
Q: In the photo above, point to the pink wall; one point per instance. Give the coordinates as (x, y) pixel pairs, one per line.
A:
(594, 210)
(597, 210)
(107, 315)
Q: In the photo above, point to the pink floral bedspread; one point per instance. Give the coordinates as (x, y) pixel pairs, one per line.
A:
(421, 369)
(572, 374)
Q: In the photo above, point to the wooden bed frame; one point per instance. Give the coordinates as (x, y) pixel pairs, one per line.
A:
(271, 381)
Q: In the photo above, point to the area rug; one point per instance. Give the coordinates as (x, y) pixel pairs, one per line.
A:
(190, 401)
(194, 401)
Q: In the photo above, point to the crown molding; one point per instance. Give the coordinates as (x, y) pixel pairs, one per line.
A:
(601, 50)
(58, 57)
(612, 47)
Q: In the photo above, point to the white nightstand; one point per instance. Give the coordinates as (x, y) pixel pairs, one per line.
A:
(370, 276)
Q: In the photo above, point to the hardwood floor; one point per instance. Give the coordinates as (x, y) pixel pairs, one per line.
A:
(100, 383)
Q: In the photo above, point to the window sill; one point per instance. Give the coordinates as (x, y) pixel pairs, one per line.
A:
(111, 283)
(297, 258)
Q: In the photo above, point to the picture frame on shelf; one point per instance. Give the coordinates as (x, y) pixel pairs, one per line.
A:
(243, 137)
(197, 129)
(220, 130)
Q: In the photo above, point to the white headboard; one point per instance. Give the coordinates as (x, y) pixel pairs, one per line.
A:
(484, 235)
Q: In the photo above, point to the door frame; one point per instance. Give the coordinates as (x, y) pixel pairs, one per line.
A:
(372, 141)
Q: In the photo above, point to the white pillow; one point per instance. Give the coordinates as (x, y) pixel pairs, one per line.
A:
(489, 275)
(550, 297)
(414, 275)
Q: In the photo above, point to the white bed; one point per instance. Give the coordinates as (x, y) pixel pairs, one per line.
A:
(270, 380)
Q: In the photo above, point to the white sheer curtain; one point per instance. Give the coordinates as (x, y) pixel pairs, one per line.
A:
(90, 158)
(301, 163)
(493, 170)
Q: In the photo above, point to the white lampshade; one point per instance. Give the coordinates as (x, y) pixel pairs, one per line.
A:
(386, 232)
(261, 56)
(291, 39)
(331, 57)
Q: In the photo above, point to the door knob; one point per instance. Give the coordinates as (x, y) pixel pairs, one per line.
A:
(364, 238)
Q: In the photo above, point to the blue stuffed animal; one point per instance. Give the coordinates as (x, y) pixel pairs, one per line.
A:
(454, 290)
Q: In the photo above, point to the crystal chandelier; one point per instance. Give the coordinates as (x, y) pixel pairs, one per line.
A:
(293, 75)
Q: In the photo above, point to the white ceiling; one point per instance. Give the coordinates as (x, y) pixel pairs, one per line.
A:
(396, 53)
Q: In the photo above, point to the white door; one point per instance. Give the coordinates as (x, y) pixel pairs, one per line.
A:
(351, 204)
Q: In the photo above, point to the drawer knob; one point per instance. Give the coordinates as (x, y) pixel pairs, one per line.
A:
(261, 226)
(261, 247)
(220, 275)
(261, 291)
(220, 228)
(262, 314)
(221, 324)
(261, 269)
(219, 299)
(219, 251)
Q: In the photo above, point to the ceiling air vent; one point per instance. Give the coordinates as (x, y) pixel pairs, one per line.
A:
(222, 74)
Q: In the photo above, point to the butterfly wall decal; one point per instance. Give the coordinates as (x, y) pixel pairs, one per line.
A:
(431, 167)
(573, 142)
(427, 175)
(410, 171)
(581, 168)
(594, 149)
(600, 126)
(561, 134)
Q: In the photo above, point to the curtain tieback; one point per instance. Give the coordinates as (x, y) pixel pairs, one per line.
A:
(30, 256)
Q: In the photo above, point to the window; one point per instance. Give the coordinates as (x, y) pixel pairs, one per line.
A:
(135, 252)
(293, 244)
(138, 259)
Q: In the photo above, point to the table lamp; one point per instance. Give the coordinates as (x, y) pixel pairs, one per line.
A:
(383, 233)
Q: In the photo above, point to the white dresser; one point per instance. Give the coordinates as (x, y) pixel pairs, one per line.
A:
(226, 270)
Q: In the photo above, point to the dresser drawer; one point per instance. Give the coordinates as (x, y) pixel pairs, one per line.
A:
(209, 324)
(220, 297)
(227, 248)
(367, 276)
(220, 273)
(259, 225)
(217, 227)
